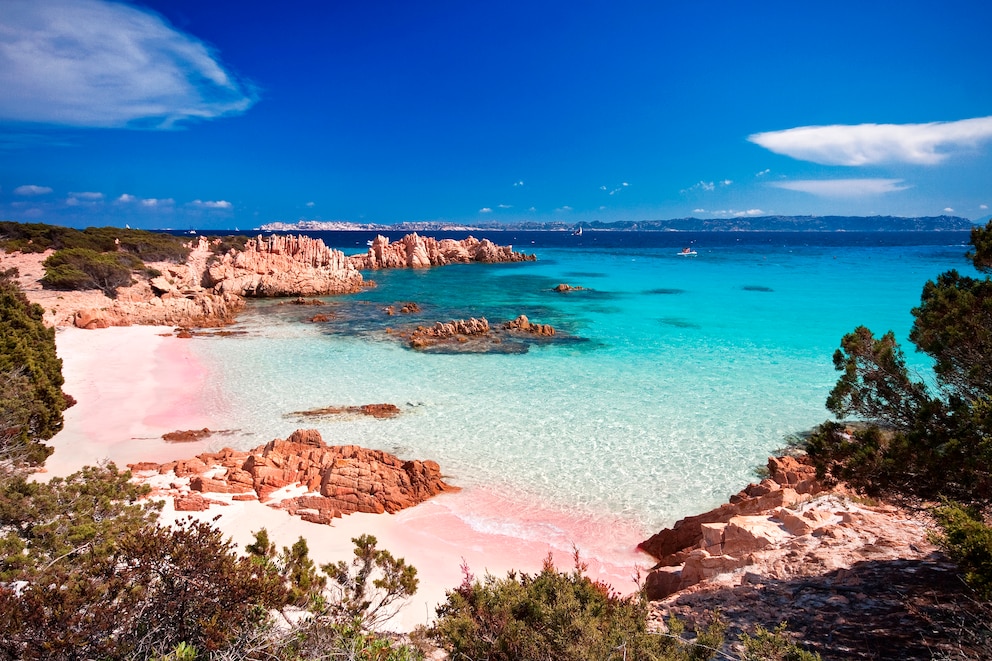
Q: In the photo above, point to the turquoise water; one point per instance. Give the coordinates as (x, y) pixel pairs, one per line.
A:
(678, 377)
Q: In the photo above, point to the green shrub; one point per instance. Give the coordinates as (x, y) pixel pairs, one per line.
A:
(555, 615)
(82, 268)
(968, 541)
(31, 398)
(774, 645)
(148, 246)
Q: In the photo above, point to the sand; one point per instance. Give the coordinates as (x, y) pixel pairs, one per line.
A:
(134, 384)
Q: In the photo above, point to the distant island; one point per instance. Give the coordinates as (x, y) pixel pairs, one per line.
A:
(755, 224)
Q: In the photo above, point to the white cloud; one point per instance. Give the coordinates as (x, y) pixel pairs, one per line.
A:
(763, 172)
(615, 190)
(532, 209)
(699, 211)
(219, 204)
(871, 144)
(85, 198)
(726, 182)
(485, 210)
(31, 189)
(738, 214)
(948, 210)
(843, 187)
(310, 205)
(125, 198)
(504, 206)
(107, 64)
(563, 209)
(154, 202)
(518, 183)
(702, 185)
(983, 206)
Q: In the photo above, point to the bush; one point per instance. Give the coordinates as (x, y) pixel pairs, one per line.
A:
(555, 615)
(31, 398)
(148, 246)
(82, 268)
(968, 541)
(774, 645)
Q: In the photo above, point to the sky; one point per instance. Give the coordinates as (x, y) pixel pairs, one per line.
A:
(193, 114)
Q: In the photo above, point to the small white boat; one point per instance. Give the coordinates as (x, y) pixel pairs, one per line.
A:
(577, 232)
(687, 252)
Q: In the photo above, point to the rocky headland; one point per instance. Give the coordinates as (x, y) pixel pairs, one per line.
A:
(209, 290)
(415, 251)
(853, 578)
(302, 475)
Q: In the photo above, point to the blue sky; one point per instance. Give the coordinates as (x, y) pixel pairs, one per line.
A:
(216, 114)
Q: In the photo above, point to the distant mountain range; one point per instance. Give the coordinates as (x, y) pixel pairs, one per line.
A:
(755, 224)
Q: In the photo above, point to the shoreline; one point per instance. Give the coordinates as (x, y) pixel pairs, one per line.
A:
(133, 384)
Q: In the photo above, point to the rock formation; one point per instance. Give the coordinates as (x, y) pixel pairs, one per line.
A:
(523, 325)
(458, 330)
(334, 480)
(415, 251)
(563, 287)
(372, 410)
(779, 528)
(284, 266)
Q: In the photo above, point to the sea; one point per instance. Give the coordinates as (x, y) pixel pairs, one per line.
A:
(670, 381)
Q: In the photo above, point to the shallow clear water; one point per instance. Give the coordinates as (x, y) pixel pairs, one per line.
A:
(680, 376)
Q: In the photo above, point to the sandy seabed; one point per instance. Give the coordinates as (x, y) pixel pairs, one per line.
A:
(134, 384)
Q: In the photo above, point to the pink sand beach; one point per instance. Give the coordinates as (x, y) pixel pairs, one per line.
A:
(134, 384)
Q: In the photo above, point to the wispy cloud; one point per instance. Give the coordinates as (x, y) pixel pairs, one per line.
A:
(486, 210)
(218, 204)
(706, 186)
(948, 210)
(517, 184)
(983, 207)
(615, 190)
(872, 144)
(699, 211)
(83, 198)
(31, 189)
(734, 213)
(154, 202)
(310, 205)
(563, 209)
(504, 206)
(126, 198)
(843, 187)
(107, 64)
(763, 172)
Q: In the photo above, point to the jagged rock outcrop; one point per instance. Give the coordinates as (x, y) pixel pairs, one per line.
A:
(415, 251)
(785, 527)
(335, 480)
(174, 298)
(284, 266)
(563, 287)
(458, 330)
(523, 325)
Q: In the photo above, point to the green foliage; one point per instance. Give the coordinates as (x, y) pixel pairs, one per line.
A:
(31, 399)
(86, 573)
(968, 541)
(82, 268)
(555, 615)
(147, 246)
(304, 584)
(922, 441)
(371, 585)
(774, 645)
(317, 639)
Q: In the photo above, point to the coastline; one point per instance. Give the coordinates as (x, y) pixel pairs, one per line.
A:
(133, 384)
